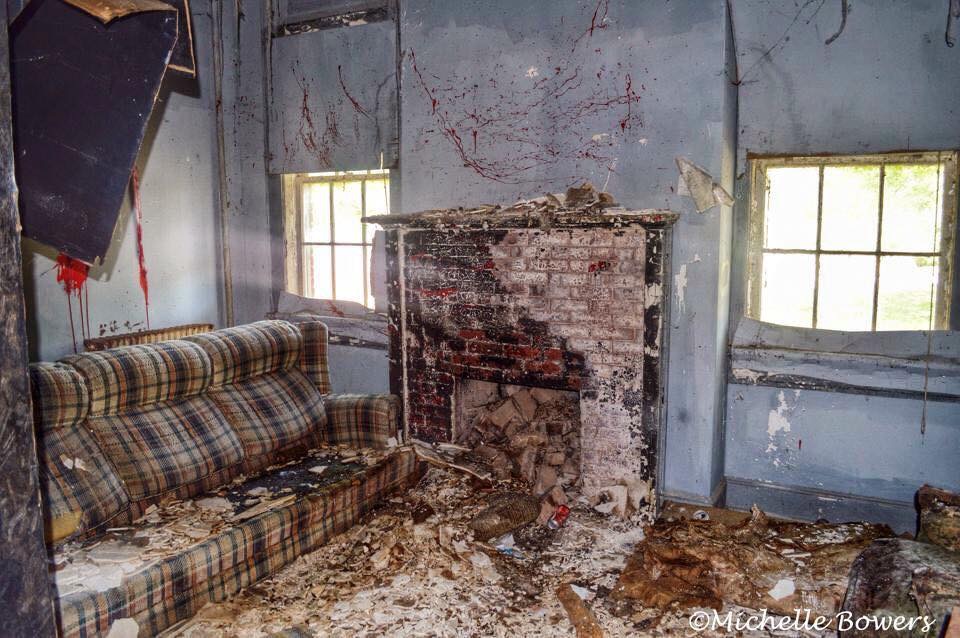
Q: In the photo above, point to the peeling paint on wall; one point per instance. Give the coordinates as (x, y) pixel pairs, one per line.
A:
(680, 287)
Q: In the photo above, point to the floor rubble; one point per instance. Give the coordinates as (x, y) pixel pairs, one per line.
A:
(414, 568)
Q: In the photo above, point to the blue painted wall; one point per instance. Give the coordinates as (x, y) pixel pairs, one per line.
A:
(888, 82)
(468, 55)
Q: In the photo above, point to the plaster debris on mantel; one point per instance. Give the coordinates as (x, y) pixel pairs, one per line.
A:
(579, 207)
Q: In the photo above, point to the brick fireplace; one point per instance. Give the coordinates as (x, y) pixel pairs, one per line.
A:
(559, 299)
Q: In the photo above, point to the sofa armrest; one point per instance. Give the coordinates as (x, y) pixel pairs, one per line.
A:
(362, 420)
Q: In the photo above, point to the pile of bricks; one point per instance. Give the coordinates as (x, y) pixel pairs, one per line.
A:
(528, 433)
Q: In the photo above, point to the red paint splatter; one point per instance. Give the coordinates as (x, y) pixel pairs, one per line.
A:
(598, 21)
(335, 309)
(599, 267)
(631, 97)
(539, 121)
(141, 259)
(318, 145)
(356, 105)
(72, 274)
(440, 293)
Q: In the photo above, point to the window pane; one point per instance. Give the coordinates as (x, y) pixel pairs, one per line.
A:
(790, 216)
(906, 286)
(846, 292)
(316, 212)
(347, 211)
(787, 295)
(911, 213)
(378, 197)
(851, 202)
(349, 275)
(317, 280)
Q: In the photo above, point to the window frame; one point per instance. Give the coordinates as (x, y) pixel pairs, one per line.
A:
(293, 189)
(759, 164)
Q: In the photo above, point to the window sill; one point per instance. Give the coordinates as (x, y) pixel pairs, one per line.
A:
(349, 323)
(879, 363)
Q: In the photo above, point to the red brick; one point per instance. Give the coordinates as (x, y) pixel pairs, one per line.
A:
(485, 347)
(523, 352)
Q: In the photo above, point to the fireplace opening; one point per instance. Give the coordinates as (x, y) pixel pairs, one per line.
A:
(521, 432)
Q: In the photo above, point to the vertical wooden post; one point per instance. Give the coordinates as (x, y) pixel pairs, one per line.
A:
(25, 604)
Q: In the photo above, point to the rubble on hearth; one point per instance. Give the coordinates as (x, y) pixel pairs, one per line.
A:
(391, 575)
(531, 434)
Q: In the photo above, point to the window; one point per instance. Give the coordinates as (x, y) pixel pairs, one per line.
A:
(861, 243)
(330, 248)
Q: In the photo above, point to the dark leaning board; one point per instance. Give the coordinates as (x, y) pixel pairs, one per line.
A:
(82, 94)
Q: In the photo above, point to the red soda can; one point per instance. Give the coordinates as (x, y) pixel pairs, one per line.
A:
(559, 516)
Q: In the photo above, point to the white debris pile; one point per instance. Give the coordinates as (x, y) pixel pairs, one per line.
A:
(414, 568)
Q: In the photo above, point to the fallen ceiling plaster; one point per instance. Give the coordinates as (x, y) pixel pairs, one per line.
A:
(415, 569)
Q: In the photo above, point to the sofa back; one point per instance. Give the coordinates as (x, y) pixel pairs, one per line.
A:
(151, 416)
(121, 428)
(258, 384)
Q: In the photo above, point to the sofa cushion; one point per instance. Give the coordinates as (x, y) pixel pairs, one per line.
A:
(313, 361)
(161, 447)
(175, 587)
(139, 376)
(248, 351)
(272, 412)
(80, 489)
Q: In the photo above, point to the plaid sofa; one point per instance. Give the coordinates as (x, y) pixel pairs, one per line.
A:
(120, 430)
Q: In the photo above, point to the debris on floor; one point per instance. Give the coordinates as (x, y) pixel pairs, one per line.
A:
(759, 563)
(416, 567)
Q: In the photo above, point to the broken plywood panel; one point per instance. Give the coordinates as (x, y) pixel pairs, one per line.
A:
(83, 92)
(939, 517)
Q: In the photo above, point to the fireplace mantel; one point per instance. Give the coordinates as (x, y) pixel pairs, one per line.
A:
(540, 297)
(492, 218)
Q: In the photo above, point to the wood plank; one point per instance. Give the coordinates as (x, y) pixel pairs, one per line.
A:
(25, 605)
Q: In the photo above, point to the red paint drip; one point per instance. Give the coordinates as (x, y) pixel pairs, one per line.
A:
(356, 105)
(310, 137)
(72, 274)
(141, 261)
